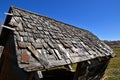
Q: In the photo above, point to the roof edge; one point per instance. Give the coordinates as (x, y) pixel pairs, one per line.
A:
(38, 14)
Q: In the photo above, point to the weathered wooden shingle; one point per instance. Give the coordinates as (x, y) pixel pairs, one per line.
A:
(48, 43)
(24, 57)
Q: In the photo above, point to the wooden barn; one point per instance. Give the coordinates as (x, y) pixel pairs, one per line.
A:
(32, 43)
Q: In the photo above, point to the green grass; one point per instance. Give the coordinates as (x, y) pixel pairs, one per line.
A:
(113, 70)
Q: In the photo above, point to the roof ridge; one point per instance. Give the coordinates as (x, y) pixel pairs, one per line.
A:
(13, 7)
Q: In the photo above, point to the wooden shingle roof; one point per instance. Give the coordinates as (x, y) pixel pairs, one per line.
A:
(42, 42)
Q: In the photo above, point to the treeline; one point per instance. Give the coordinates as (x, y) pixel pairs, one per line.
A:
(113, 44)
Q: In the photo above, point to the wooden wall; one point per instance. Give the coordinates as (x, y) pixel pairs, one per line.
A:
(91, 70)
(9, 69)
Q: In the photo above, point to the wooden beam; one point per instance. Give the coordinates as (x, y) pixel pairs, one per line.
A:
(8, 27)
(10, 14)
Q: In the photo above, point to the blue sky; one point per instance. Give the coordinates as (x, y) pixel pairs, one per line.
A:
(101, 17)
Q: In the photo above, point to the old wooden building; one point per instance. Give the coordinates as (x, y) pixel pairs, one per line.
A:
(32, 43)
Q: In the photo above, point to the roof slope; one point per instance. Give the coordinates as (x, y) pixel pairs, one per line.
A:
(42, 42)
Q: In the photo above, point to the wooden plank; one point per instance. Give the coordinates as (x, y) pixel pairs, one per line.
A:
(37, 56)
(8, 27)
(10, 14)
(37, 45)
(58, 54)
(81, 68)
(1, 50)
(33, 51)
(22, 45)
(64, 51)
(39, 74)
(31, 75)
(24, 57)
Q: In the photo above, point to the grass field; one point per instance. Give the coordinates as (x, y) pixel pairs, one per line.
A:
(113, 70)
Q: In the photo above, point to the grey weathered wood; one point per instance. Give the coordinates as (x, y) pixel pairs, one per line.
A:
(8, 27)
(22, 45)
(78, 75)
(43, 43)
(40, 74)
(37, 45)
(58, 54)
(1, 50)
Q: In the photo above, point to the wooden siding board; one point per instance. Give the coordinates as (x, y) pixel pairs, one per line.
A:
(1, 50)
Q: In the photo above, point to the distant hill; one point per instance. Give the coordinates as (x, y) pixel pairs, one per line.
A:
(113, 44)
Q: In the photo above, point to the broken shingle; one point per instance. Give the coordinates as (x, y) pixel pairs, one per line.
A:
(31, 40)
(20, 26)
(33, 51)
(37, 45)
(21, 44)
(58, 54)
(37, 56)
(51, 44)
(29, 26)
(45, 45)
(13, 22)
(40, 28)
(25, 39)
(21, 33)
(50, 51)
(66, 45)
